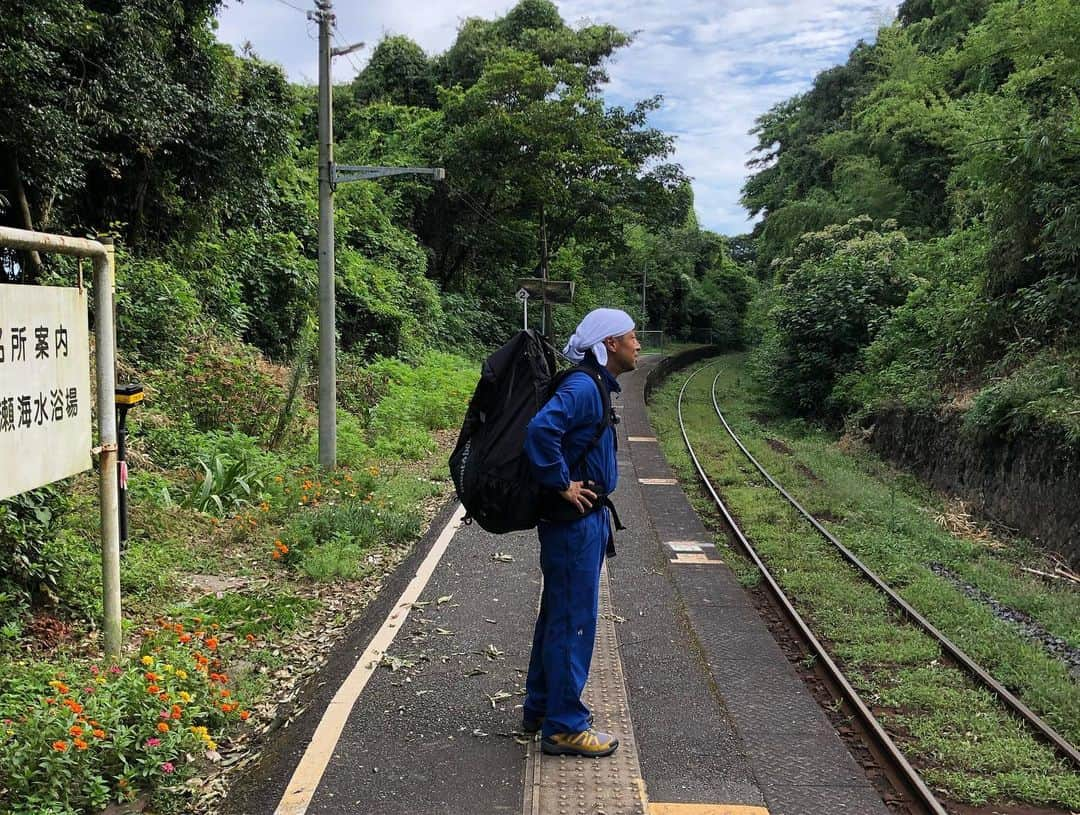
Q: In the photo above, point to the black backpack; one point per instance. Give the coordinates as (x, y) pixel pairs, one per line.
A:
(491, 472)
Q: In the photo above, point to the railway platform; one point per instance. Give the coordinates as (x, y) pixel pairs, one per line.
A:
(418, 710)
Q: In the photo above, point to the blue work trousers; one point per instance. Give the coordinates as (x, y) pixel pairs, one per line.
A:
(571, 555)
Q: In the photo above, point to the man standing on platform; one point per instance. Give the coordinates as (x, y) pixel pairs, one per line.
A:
(572, 427)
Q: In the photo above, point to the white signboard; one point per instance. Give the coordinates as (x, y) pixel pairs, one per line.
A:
(522, 295)
(44, 386)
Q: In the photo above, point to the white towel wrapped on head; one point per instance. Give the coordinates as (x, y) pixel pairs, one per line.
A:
(598, 325)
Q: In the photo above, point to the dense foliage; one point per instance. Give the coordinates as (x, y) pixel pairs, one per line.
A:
(961, 124)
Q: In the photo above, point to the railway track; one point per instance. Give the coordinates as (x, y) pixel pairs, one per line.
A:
(910, 780)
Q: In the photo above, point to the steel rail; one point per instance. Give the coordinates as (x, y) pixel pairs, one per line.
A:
(1003, 693)
(884, 739)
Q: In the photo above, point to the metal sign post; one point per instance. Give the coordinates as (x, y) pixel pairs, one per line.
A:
(104, 286)
(548, 292)
(523, 296)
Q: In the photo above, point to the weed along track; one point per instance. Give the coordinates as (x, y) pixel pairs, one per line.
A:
(940, 723)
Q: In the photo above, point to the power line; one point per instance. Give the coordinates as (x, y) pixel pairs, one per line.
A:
(294, 8)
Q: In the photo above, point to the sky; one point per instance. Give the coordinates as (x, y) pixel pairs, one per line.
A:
(717, 63)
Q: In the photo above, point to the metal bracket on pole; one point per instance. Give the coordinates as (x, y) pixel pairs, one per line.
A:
(343, 173)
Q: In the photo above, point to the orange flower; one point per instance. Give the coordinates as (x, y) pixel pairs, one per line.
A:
(99, 734)
(82, 745)
(153, 689)
(276, 555)
(250, 637)
(185, 638)
(211, 643)
(244, 714)
(227, 708)
(73, 706)
(226, 693)
(60, 746)
(162, 727)
(151, 677)
(176, 711)
(75, 730)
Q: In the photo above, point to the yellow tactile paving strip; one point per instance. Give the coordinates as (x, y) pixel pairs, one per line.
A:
(564, 785)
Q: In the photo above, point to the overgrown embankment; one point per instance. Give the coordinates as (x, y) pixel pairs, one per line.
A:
(1028, 482)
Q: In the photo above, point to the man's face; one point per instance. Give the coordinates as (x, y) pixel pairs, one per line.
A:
(622, 352)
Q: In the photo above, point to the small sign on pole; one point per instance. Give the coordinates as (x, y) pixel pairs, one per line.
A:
(523, 295)
(44, 386)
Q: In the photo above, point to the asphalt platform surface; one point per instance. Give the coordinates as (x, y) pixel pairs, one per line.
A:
(719, 715)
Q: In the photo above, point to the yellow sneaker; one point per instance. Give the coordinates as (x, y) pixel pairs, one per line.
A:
(589, 743)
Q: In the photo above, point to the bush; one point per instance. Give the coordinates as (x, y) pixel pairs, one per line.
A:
(431, 396)
(1043, 391)
(29, 568)
(841, 287)
(385, 310)
(223, 385)
(939, 335)
(157, 309)
(258, 284)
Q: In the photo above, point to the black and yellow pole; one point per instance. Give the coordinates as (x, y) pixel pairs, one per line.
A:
(127, 396)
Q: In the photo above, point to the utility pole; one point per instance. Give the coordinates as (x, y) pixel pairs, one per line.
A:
(327, 317)
(644, 278)
(330, 175)
(545, 328)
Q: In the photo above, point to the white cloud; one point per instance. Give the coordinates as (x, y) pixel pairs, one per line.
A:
(718, 63)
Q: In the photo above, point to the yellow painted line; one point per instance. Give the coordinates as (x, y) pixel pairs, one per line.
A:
(705, 809)
(305, 778)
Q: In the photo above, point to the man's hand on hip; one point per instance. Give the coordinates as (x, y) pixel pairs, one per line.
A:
(580, 496)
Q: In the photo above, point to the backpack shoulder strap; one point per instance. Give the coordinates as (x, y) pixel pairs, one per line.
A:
(605, 402)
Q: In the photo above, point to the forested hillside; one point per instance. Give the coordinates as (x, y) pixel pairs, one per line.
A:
(921, 222)
(130, 118)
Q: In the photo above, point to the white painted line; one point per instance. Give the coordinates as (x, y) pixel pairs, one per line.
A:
(641, 438)
(658, 482)
(684, 546)
(694, 557)
(305, 778)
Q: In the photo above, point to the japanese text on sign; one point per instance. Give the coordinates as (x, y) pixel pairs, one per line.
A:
(44, 386)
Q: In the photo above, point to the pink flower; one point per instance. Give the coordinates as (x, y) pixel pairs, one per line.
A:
(95, 670)
(114, 669)
(88, 689)
(153, 742)
(167, 767)
(164, 714)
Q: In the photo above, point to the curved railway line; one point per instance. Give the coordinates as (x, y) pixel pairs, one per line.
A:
(902, 768)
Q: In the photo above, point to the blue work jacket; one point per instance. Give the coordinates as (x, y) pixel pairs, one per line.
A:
(564, 426)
